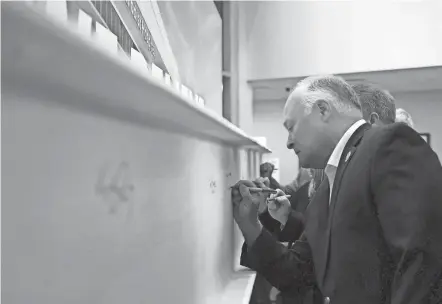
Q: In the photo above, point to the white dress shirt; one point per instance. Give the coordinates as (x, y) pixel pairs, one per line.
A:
(333, 161)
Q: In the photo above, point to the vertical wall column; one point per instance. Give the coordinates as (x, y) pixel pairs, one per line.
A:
(245, 93)
(258, 160)
(251, 163)
(254, 159)
(237, 94)
(230, 61)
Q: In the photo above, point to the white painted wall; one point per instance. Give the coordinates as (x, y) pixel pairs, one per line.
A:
(171, 242)
(298, 38)
(426, 110)
(267, 122)
(424, 107)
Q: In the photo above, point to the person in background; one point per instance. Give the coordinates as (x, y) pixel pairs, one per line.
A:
(404, 117)
(266, 171)
(377, 105)
(363, 241)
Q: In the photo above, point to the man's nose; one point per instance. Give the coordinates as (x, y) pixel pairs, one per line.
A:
(290, 144)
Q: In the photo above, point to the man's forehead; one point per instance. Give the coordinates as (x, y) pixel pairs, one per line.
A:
(289, 121)
(293, 106)
(294, 99)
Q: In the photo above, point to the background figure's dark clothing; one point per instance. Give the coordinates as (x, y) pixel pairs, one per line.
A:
(299, 201)
(378, 240)
(261, 291)
(274, 184)
(289, 188)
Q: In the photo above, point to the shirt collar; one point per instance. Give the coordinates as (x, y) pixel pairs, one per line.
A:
(337, 152)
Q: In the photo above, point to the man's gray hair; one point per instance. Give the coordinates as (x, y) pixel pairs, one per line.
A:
(375, 99)
(331, 88)
(404, 117)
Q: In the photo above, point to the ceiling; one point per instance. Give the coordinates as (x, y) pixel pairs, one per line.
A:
(403, 80)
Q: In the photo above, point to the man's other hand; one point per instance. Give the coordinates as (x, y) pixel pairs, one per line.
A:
(258, 183)
(262, 182)
(280, 207)
(245, 209)
(245, 204)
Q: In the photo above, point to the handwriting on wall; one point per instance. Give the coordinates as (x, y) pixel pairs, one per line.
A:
(115, 186)
(213, 186)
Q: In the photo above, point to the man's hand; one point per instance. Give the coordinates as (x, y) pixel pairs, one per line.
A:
(245, 210)
(262, 182)
(280, 207)
(257, 183)
(245, 204)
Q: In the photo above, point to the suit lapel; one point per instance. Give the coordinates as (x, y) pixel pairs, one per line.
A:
(347, 155)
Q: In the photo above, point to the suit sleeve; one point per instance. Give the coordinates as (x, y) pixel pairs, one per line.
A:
(289, 270)
(291, 232)
(274, 184)
(295, 223)
(407, 192)
(245, 260)
(269, 223)
(293, 228)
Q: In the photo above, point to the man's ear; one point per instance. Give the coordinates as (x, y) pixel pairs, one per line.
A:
(324, 108)
(374, 118)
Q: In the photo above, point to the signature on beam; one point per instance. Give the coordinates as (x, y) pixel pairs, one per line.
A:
(115, 187)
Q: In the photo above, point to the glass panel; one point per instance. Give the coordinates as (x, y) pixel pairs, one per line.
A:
(194, 31)
(113, 21)
(157, 72)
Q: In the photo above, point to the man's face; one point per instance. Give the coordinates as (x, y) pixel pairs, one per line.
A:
(307, 132)
(266, 170)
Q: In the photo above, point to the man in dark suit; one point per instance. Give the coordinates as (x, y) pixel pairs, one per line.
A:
(378, 108)
(373, 230)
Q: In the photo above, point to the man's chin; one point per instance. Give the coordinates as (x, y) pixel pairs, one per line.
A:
(308, 163)
(303, 162)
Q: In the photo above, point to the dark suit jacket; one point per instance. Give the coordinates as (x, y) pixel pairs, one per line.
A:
(299, 201)
(380, 239)
(294, 226)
